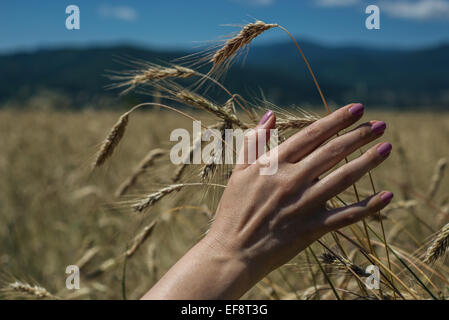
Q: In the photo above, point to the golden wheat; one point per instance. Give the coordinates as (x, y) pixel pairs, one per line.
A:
(140, 239)
(18, 288)
(229, 118)
(436, 178)
(217, 158)
(152, 72)
(144, 164)
(243, 38)
(439, 245)
(198, 101)
(112, 140)
(154, 197)
(341, 263)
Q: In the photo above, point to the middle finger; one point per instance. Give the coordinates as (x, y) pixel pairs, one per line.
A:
(330, 154)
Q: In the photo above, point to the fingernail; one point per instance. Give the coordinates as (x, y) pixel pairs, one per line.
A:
(378, 127)
(266, 117)
(384, 149)
(356, 109)
(387, 196)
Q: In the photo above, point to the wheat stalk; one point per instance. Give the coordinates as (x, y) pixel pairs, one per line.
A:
(28, 290)
(153, 72)
(140, 239)
(87, 256)
(154, 197)
(436, 178)
(186, 160)
(118, 130)
(144, 164)
(200, 102)
(294, 123)
(243, 38)
(402, 204)
(180, 170)
(112, 140)
(342, 263)
(209, 169)
(104, 267)
(439, 245)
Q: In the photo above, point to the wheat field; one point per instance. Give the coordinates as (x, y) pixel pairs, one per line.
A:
(122, 213)
(56, 212)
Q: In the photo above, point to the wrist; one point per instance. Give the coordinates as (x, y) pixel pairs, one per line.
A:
(230, 267)
(206, 271)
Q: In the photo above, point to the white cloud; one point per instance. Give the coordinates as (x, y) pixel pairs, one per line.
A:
(258, 3)
(261, 2)
(118, 12)
(336, 3)
(417, 10)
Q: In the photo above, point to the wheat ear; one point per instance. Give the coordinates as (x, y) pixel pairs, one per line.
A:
(200, 102)
(209, 169)
(439, 245)
(140, 239)
(152, 73)
(118, 130)
(28, 290)
(186, 160)
(154, 197)
(144, 164)
(294, 123)
(243, 38)
(341, 263)
(112, 140)
(436, 178)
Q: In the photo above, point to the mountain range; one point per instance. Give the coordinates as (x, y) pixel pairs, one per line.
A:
(391, 78)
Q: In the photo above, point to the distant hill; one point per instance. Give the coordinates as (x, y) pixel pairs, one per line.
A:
(392, 78)
(384, 77)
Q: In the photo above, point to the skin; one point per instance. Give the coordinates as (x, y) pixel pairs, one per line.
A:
(256, 232)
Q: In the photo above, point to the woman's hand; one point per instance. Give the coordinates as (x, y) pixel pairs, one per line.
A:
(263, 221)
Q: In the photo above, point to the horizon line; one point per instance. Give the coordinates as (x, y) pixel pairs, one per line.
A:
(183, 47)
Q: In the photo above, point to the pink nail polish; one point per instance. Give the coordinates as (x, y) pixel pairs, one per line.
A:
(266, 117)
(357, 109)
(378, 127)
(387, 196)
(384, 149)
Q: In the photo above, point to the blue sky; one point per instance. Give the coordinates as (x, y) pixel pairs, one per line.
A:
(30, 24)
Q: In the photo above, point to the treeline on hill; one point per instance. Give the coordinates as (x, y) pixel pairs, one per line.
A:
(390, 78)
